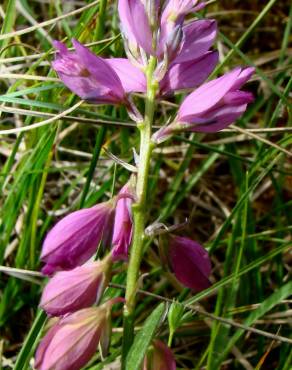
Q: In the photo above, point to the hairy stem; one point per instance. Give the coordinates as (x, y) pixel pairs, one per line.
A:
(139, 210)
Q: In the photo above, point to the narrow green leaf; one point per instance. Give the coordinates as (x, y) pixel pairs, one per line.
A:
(143, 338)
(30, 342)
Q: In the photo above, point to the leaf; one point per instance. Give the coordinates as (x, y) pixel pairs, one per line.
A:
(175, 315)
(30, 341)
(143, 338)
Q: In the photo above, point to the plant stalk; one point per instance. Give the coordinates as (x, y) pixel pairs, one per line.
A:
(139, 210)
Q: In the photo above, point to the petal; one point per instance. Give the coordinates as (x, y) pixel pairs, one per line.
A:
(208, 95)
(132, 78)
(238, 97)
(217, 119)
(243, 77)
(135, 23)
(87, 89)
(43, 346)
(198, 38)
(189, 74)
(100, 69)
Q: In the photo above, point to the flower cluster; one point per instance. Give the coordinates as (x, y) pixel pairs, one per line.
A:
(183, 60)
(77, 281)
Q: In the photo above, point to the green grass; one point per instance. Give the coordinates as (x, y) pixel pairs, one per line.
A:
(234, 188)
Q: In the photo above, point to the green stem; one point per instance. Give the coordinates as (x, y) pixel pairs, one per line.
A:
(139, 210)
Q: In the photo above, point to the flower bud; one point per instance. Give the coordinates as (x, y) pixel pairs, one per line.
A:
(159, 357)
(123, 226)
(74, 239)
(189, 262)
(71, 342)
(69, 291)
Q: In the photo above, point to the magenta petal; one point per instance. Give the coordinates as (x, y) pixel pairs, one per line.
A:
(72, 342)
(74, 239)
(72, 290)
(198, 38)
(135, 23)
(188, 74)
(190, 263)
(132, 78)
(206, 96)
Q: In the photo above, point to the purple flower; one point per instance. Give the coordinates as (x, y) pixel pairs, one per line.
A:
(160, 358)
(189, 74)
(123, 226)
(91, 77)
(69, 291)
(73, 340)
(189, 262)
(211, 107)
(74, 239)
(135, 24)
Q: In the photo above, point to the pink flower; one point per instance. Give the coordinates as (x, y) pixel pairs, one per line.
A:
(69, 291)
(123, 226)
(211, 107)
(93, 78)
(71, 343)
(74, 239)
(160, 358)
(190, 263)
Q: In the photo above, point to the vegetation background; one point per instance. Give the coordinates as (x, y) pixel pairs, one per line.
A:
(236, 184)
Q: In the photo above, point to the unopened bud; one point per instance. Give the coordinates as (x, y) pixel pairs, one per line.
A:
(159, 357)
(69, 291)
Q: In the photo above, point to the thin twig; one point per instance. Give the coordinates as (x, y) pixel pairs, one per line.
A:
(257, 137)
(129, 124)
(223, 320)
